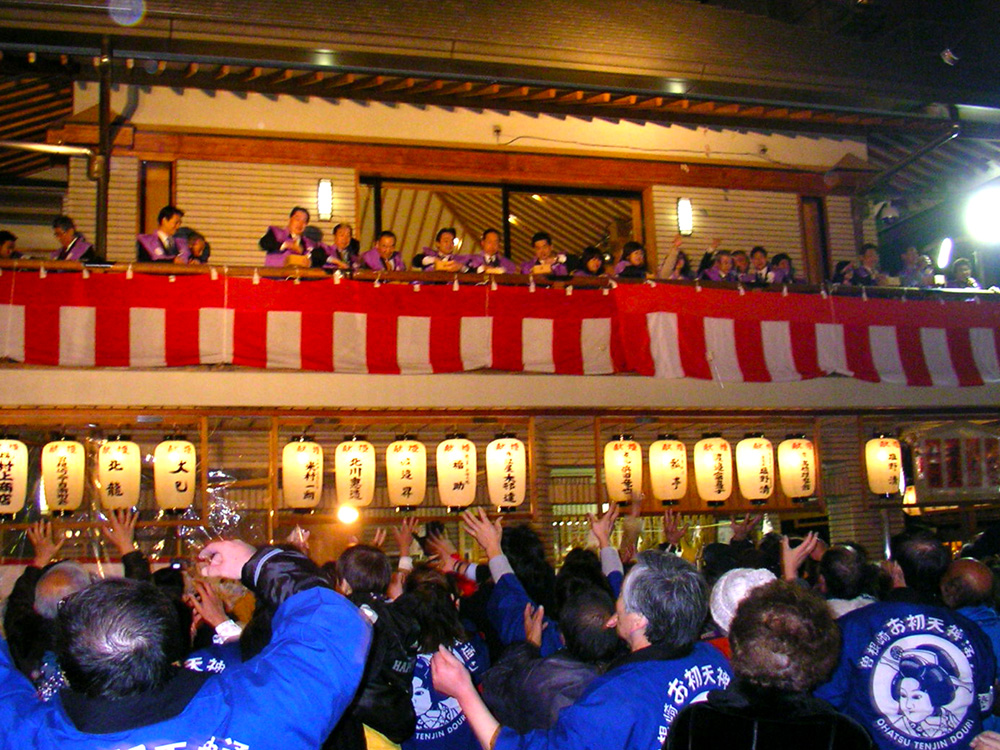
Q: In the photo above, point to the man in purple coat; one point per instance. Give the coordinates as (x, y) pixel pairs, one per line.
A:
(546, 260)
(384, 256)
(286, 246)
(492, 260)
(72, 245)
(162, 246)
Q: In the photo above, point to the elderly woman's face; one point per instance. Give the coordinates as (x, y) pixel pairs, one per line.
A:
(913, 701)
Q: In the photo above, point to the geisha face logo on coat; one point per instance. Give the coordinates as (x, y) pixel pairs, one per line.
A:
(921, 682)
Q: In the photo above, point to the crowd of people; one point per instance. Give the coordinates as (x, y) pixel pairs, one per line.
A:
(770, 643)
(299, 245)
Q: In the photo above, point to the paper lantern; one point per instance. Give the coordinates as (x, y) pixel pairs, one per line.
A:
(797, 468)
(456, 472)
(713, 469)
(755, 468)
(623, 469)
(668, 469)
(506, 471)
(13, 475)
(354, 463)
(884, 465)
(302, 474)
(63, 472)
(175, 464)
(406, 472)
(119, 468)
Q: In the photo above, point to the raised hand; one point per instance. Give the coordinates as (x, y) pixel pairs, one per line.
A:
(673, 532)
(742, 529)
(487, 533)
(534, 624)
(42, 537)
(120, 530)
(602, 526)
(792, 559)
(404, 535)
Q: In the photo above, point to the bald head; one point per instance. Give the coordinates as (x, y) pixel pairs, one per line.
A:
(56, 584)
(967, 583)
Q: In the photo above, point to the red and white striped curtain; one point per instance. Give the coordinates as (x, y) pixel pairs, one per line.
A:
(667, 331)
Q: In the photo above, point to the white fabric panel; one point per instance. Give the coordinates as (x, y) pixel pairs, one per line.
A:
(536, 345)
(885, 354)
(984, 352)
(215, 335)
(664, 344)
(12, 332)
(77, 332)
(778, 354)
(938, 356)
(147, 337)
(831, 351)
(595, 345)
(720, 347)
(350, 342)
(476, 342)
(284, 339)
(413, 345)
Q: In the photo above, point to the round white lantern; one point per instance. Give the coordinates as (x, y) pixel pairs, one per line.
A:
(63, 473)
(713, 469)
(623, 469)
(119, 469)
(456, 472)
(175, 464)
(668, 470)
(506, 471)
(883, 460)
(406, 472)
(354, 463)
(755, 468)
(13, 475)
(302, 474)
(797, 467)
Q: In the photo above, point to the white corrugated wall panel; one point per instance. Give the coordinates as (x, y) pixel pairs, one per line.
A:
(840, 224)
(741, 219)
(123, 196)
(233, 203)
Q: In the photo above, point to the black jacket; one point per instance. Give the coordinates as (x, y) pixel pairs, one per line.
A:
(385, 698)
(526, 692)
(743, 717)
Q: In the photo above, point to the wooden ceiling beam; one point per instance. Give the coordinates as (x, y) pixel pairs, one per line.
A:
(652, 103)
(426, 86)
(490, 89)
(455, 88)
(253, 74)
(541, 95)
(572, 96)
(402, 84)
(370, 82)
(279, 76)
(311, 79)
(602, 98)
(191, 69)
(222, 72)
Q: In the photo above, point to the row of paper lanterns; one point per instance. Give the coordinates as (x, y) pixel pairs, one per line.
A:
(406, 472)
(713, 469)
(118, 474)
(120, 460)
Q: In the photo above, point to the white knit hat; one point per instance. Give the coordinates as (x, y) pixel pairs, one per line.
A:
(732, 588)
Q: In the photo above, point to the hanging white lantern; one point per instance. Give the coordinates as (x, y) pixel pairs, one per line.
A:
(13, 475)
(63, 473)
(797, 467)
(883, 460)
(119, 468)
(713, 469)
(302, 474)
(668, 470)
(755, 468)
(406, 472)
(623, 469)
(456, 472)
(175, 464)
(506, 471)
(354, 463)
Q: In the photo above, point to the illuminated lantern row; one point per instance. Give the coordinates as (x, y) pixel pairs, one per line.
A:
(713, 469)
(406, 472)
(883, 461)
(13, 474)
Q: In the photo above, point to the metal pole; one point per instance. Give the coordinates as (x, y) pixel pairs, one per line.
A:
(104, 148)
